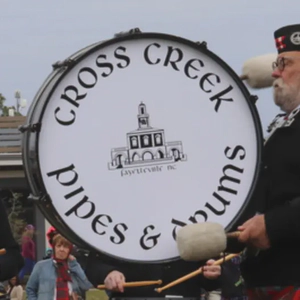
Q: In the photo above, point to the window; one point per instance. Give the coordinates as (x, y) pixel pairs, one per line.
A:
(134, 142)
(146, 140)
(158, 140)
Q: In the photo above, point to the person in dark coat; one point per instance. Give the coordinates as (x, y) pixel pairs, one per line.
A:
(114, 275)
(272, 268)
(12, 261)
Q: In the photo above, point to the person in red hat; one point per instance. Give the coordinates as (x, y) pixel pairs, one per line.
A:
(51, 232)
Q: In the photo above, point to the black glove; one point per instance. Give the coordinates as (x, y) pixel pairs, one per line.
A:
(232, 281)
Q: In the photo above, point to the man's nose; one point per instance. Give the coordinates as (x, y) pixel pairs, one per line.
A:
(276, 73)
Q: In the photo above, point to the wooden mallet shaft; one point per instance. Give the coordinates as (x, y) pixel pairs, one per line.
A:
(243, 77)
(195, 273)
(134, 284)
(233, 235)
(2, 251)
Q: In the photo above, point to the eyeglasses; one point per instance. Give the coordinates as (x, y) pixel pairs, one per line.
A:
(281, 62)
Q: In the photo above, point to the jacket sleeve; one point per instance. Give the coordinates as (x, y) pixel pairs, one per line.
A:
(96, 270)
(283, 222)
(80, 276)
(33, 283)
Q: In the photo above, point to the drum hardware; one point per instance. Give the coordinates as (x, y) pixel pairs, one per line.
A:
(202, 44)
(63, 64)
(253, 98)
(129, 32)
(41, 198)
(36, 127)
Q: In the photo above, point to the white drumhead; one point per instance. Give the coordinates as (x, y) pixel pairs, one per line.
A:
(136, 143)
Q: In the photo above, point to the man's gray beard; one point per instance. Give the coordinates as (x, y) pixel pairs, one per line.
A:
(286, 97)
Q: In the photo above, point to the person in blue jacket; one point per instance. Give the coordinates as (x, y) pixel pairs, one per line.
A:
(60, 277)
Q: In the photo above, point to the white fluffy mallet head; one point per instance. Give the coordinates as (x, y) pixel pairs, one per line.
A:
(201, 241)
(257, 71)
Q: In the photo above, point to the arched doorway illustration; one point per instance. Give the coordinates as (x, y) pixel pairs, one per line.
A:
(135, 157)
(148, 155)
(160, 154)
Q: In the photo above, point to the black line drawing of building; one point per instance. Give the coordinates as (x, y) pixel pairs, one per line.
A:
(146, 146)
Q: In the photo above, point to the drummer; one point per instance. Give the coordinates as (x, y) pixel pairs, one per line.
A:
(274, 272)
(114, 276)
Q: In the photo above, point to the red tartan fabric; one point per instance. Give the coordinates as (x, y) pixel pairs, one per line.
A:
(63, 277)
(286, 293)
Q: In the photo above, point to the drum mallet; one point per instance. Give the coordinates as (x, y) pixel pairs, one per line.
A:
(195, 273)
(257, 71)
(201, 241)
(2, 251)
(134, 284)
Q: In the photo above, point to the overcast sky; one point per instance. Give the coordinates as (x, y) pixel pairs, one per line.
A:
(36, 33)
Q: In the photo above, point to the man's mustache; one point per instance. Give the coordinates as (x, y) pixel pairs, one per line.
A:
(278, 83)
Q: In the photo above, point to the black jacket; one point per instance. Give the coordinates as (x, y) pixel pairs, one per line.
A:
(96, 272)
(277, 195)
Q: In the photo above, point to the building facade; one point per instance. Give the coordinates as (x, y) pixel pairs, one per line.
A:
(13, 181)
(145, 146)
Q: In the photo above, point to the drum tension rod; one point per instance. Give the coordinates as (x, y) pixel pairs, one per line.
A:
(63, 64)
(129, 32)
(253, 98)
(202, 44)
(36, 127)
(39, 198)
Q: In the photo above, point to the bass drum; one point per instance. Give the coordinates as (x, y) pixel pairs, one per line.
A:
(132, 138)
